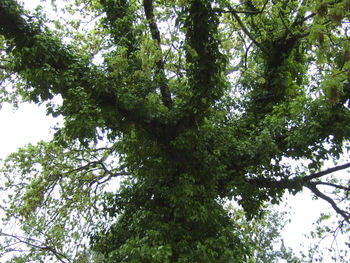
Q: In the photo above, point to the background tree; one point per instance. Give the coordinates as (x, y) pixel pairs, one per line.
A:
(186, 104)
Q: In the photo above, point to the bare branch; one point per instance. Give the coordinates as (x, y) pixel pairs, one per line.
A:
(318, 193)
(27, 241)
(333, 185)
(325, 172)
(298, 181)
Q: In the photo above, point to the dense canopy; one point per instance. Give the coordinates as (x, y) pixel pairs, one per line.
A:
(171, 109)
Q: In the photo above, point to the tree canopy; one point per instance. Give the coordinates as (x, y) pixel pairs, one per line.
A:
(172, 108)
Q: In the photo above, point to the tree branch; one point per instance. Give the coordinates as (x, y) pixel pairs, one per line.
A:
(318, 193)
(164, 89)
(302, 20)
(298, 181)
(58, 255)
(249, 12)
(246, 31)
(325, 172)
(333, 185)
(62, 59)
(291, 183)
(296, 184)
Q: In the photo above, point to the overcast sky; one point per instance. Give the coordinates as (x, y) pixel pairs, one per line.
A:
(28, 124)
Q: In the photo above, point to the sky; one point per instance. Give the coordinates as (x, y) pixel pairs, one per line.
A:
(29, 124)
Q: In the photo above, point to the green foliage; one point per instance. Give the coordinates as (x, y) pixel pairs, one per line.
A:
(170, 107)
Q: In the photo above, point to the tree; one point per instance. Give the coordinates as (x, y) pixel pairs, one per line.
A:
(190, 104)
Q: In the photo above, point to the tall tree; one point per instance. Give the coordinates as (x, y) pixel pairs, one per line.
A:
(184, 104)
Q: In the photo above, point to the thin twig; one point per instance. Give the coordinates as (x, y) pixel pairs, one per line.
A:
(334, 185)
(58, 255)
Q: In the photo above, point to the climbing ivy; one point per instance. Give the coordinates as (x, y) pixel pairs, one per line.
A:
(169, 108)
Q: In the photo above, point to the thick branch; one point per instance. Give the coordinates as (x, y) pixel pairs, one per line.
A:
(246, 31)
(325, 172)
(148, 6)
(344, 214)
(302, 20)
(27, 40)
(164, 89)
(297, 182)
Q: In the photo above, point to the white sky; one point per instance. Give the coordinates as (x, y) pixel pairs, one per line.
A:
(29, 124)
